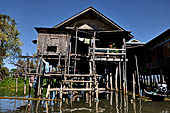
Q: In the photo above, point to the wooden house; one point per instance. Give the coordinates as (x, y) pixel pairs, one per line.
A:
(157, 57)
(87, 48)
(158, 50)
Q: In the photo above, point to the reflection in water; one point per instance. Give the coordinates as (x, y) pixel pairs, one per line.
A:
(109, 103)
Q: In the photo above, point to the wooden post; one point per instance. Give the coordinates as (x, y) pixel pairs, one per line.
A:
(125, 66)
(117, 102)
(107, 81)
(75, 52)
(111, 82)
(16, 83)
(94, 65)
(137, 72)
(133, 86)
(116, 75)
(25, 79)
(97, 92)
(48, 91)
(124, 69)
(61, 92)
(69, 58)
(111, 98)
(120, 76)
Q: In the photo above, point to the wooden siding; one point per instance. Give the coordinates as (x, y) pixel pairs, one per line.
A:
(52, 40)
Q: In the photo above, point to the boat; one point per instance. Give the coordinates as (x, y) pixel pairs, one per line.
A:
(154, 96)
(158, 94)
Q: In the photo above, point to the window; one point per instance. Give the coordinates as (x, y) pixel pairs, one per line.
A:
(52, 48)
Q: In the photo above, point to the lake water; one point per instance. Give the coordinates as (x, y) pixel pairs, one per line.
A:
(109, 103)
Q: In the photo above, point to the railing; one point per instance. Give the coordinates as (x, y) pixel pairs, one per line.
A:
(107, 51)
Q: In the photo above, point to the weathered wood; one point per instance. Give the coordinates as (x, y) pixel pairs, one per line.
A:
(83, 81)
(107, 81)
(137, 72)
(16, 85)
(101, 53)
(116, 76)
(48, 91)
(75, 52)
(25, 71)
(134, 84)
(111, 81)
(120, 76)
(34, 99)
(81, 75)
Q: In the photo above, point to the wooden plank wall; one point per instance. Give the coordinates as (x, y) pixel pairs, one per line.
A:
(58, 40)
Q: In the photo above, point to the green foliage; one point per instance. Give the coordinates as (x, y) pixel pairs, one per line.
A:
(10, 82)
(4, 71)
(9, 39)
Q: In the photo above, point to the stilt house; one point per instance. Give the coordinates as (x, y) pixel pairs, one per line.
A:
(86, 52)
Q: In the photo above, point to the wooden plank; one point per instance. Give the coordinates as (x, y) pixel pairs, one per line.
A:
(109, 49)
(101, 53)
(109, 59)
(53, 74)
(22, 98)
(76, 81)
(81, 75)
(71, 89)
(77, 89)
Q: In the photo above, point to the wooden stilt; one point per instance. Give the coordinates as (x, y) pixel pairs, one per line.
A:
(133, 86)
(75, 52)
(97, 92)
(125, 65)
(111, 98)
(48, 91)
(137, 72)
(120, 75)
(16, 86)
(61, 92)
(117, 102)
(111, 82)
(25, 78)
(124, 69)
(107, 81)
(116, 75)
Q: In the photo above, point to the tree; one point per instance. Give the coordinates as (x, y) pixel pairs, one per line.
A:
(4, 72)
(10, 44)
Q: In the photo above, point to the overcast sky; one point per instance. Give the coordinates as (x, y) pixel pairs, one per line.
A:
(145, 18)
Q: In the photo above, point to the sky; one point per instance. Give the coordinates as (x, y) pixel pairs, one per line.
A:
(146, 19)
